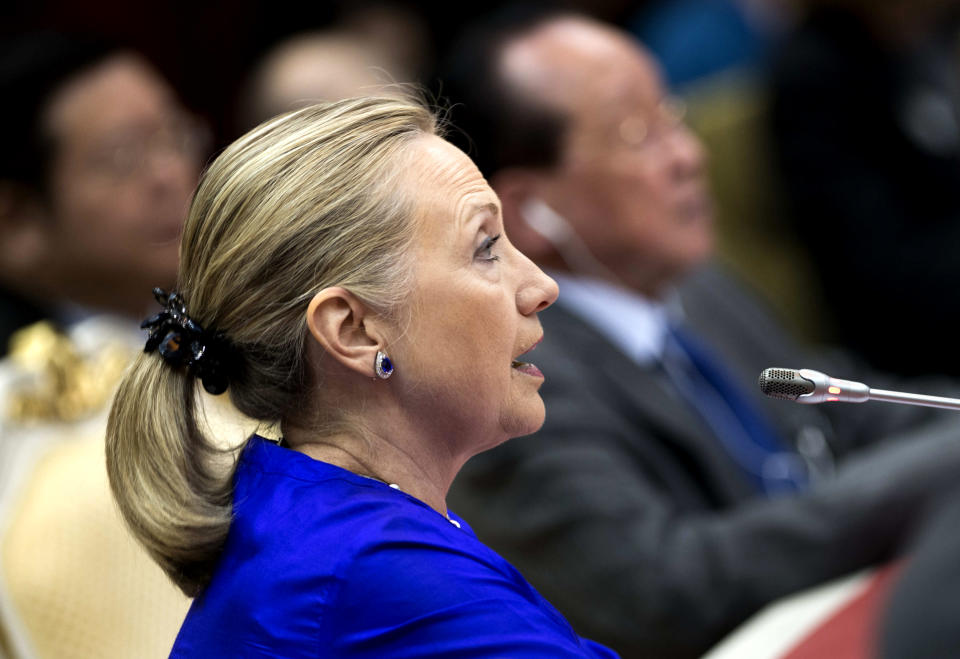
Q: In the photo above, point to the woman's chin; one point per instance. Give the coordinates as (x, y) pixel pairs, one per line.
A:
(527, 423)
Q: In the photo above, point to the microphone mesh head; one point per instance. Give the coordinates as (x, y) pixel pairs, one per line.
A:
(784, 383)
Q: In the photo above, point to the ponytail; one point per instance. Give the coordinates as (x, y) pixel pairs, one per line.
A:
(172, 485)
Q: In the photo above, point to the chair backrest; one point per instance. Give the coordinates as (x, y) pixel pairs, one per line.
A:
(75, 582)
(729, 113)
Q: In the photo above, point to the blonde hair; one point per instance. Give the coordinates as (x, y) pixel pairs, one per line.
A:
(309, 200)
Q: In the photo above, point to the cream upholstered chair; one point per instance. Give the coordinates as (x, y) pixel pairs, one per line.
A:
(73, 582)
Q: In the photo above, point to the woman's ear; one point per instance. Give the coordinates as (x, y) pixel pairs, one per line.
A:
(345, 329)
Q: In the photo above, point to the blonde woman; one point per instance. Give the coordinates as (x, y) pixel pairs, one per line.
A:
(344, 275)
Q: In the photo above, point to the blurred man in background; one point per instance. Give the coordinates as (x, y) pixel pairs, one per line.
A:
(98, 167)
(372, 50)
(664, 500)
(97, 170)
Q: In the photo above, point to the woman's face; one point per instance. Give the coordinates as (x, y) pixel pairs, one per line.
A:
(472, 311)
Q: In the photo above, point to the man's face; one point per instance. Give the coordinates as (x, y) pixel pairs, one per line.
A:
(631, 178)
(126, 161)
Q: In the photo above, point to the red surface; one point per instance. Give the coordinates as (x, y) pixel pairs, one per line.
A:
(850, 633)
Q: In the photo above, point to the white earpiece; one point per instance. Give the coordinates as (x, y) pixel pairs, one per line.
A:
(556, 230)
(546, 221)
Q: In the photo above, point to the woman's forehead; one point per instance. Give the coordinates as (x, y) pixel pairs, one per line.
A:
(441, 162)
(447, 180)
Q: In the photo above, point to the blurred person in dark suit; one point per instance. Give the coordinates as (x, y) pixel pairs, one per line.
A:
(97, 169)
(920, 619)
(866, 128)
(98, 164)
(664, 500)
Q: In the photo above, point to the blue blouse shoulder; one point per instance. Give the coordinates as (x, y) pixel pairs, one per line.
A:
(321, 562)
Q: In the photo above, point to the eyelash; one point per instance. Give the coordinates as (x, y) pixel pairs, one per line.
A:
(486, 247)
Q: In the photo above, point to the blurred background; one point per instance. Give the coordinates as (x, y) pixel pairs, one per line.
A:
(830, 202)
(833, 134)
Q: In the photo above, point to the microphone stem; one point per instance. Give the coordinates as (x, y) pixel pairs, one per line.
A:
(914, 399)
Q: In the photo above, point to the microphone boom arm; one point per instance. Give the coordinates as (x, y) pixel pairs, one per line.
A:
(914, 399)
(810, 387)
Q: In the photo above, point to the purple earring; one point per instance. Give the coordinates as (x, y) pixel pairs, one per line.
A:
(383, 366)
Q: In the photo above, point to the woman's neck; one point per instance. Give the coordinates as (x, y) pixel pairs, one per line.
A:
(414, 468)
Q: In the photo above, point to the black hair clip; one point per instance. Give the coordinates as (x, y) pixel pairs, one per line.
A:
(183, 342)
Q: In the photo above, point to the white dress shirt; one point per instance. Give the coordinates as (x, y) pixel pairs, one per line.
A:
(635, 324)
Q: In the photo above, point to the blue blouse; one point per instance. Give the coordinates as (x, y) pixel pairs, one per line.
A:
(321, 562)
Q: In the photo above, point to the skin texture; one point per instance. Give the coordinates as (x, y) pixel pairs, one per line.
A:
(473, 309)
(122, 178)
(631, 180)
(471, 313)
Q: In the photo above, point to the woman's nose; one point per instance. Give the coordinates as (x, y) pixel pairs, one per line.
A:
(538, 292)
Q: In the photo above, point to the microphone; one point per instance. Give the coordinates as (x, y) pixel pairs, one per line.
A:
(809, 387)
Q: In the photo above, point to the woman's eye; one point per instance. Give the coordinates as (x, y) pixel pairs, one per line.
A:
(485, 251)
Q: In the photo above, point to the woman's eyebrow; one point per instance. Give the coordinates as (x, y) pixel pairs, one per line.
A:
(488, 207)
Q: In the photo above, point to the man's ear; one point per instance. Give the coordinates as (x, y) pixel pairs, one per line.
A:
(516, 187)
(24, 227)
(344, 327)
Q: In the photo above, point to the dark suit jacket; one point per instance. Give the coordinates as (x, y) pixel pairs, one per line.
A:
(626, 513)
(921, 618)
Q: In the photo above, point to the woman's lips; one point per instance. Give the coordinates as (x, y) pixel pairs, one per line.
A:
(527, 368)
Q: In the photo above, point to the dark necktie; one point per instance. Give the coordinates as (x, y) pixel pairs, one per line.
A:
(704, 382)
